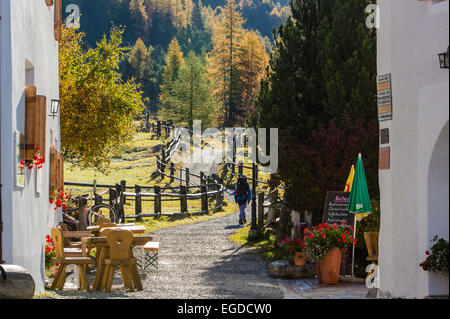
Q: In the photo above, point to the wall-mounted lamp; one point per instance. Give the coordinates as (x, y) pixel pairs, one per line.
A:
(54, 108)
(443, 59)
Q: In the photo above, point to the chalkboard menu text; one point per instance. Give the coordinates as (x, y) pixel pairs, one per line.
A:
(335, 210)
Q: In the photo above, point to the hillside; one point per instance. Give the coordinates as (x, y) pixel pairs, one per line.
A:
(141, 21)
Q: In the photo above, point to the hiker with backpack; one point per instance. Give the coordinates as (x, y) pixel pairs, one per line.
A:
(242, 196)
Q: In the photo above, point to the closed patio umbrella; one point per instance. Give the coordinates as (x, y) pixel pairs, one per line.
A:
(359, 201)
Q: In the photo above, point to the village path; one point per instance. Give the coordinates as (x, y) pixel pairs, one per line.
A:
(198, 261)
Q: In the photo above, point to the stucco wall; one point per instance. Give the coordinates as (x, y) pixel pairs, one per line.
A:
(411, 35)
(27, 214)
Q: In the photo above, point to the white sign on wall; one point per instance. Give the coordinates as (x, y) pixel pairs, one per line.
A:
(384, 89)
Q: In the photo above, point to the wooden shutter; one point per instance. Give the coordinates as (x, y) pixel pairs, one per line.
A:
(60, 173)
(35, 122)
(58, 19)
(30, 121)
(41, 120)
(52, 182)
(56, 171)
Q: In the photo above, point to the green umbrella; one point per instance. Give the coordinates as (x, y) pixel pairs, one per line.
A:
(359, 201)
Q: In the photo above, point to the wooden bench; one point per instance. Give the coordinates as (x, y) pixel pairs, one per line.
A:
(149, 256)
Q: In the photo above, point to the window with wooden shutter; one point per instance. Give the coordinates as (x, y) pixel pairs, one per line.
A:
(56, 171)
(35, 122)
(58, 19)
(60, 173)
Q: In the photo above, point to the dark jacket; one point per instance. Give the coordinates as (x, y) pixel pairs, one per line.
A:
(241, 198)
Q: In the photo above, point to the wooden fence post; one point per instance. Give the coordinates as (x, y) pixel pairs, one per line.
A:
(260, 212)
(120, 208)
(158, 128)
(202, 176)
(253, 226)
(158, 200)
(158, 165)
(97, 199)
(123, 187)
(295, 219)
(204, 200)
(273, 194)
(138, 203)
(82, 214)
(183, 199)
(187, 176)
(240, 169)
(163, 160)
(172, 172)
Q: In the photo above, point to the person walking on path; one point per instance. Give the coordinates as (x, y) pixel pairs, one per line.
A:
(242, 196)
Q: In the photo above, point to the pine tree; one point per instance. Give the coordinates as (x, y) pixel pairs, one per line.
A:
(320, 92)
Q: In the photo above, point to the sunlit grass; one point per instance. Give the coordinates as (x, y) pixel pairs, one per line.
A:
(265, 247)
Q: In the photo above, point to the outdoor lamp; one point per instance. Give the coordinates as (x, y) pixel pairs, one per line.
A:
(443, 59)
(54, 108)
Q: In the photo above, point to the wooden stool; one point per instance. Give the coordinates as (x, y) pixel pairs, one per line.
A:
(119, 242)
(60, 278)
(149, 255)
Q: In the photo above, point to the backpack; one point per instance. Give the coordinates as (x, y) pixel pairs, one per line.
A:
(242, 188)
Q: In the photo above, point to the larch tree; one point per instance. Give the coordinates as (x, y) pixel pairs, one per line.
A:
(252, 61)
(174, 62)
(227, 35)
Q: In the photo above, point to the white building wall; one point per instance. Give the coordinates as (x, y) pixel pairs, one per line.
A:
(27, 215)
(411, 35)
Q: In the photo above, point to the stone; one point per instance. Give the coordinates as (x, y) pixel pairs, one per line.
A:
(284, 269)
(18, 284)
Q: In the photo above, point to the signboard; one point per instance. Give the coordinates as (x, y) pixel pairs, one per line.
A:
(385, 158)
(384, 136)
(335, 210)
(384, 89)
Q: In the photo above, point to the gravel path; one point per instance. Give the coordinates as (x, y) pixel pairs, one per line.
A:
(198, 261)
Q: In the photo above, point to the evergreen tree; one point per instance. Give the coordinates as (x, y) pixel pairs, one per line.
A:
(319, 91)
(191, 97)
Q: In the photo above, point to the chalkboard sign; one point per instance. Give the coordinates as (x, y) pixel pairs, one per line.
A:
(335, 210)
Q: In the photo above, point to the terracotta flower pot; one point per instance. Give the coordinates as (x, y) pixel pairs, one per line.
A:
(319, 279)
(330, 266)
(300, 258)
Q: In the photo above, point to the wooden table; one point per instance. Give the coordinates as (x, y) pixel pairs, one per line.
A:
(103, 252)
(135, 229)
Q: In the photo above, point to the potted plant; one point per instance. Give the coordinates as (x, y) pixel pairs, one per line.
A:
(324, 244)
(437, 261)
(294, 249)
